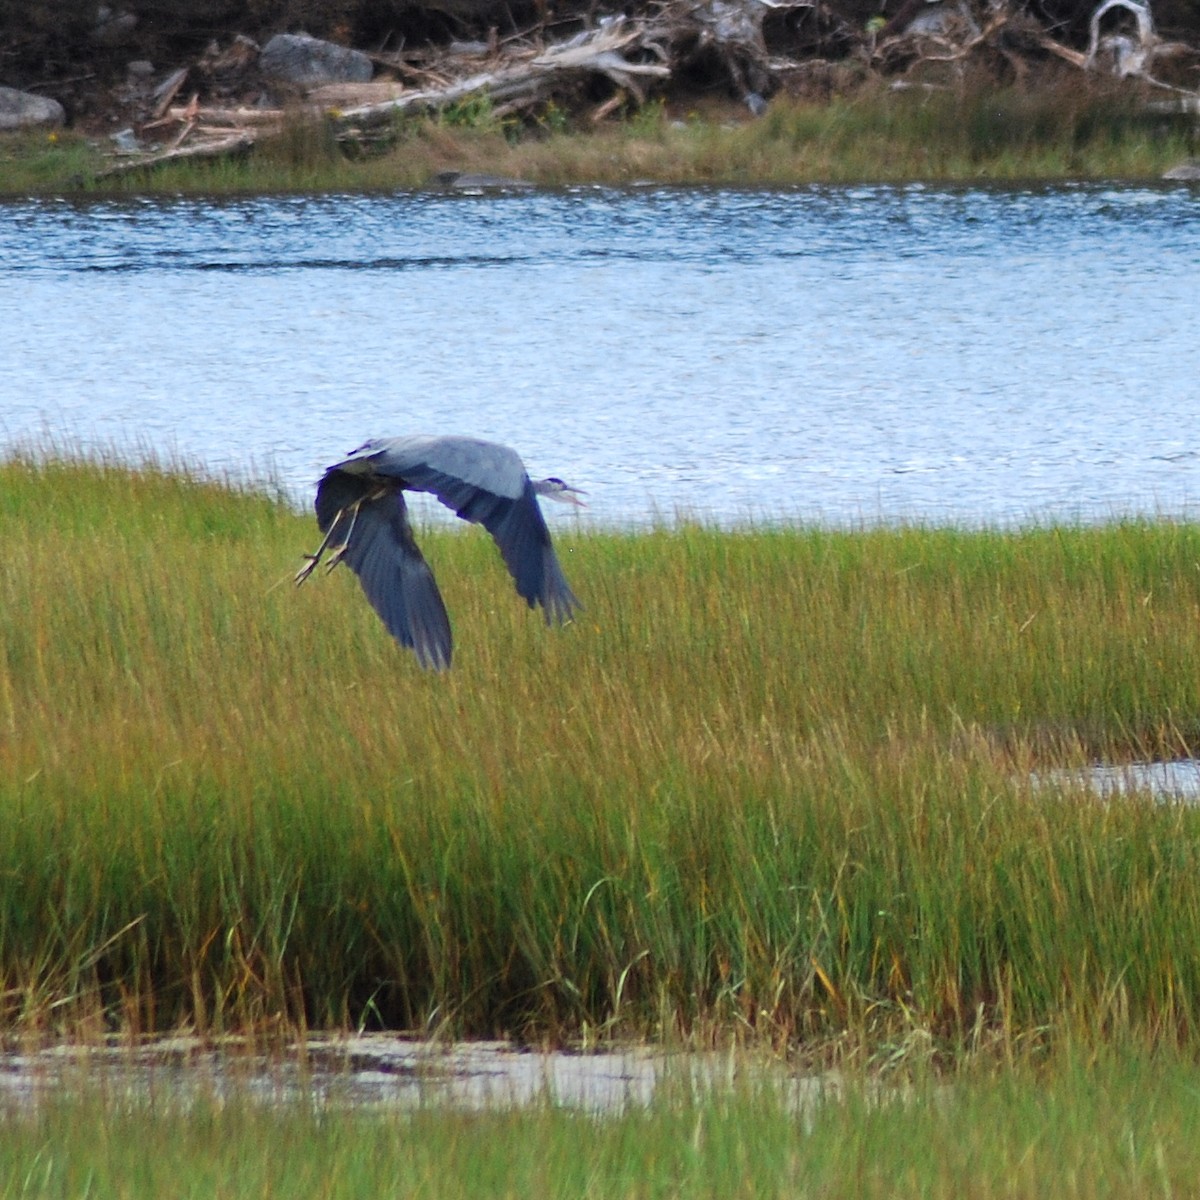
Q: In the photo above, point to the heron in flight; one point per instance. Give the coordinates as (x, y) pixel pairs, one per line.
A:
(361, 511)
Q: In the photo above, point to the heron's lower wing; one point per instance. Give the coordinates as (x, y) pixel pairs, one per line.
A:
(395, 577)
(519, 530)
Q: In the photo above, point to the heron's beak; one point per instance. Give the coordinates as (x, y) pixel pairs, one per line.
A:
(571, 496)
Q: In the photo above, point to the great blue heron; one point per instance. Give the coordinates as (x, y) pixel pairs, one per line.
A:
(361, 511)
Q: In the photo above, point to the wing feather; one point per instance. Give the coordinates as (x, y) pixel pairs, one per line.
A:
(519, 530)
(394, 574)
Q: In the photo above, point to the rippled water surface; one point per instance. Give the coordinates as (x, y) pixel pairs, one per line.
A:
(829, 354)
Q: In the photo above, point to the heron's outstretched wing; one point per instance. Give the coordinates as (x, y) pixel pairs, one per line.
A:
(518, 528)
(380, 550)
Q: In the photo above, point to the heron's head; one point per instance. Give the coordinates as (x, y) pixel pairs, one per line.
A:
(557, 489)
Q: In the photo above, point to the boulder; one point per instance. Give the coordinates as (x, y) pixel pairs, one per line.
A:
(470, 181)
(24, 110)
(305, 61)
(113, 28)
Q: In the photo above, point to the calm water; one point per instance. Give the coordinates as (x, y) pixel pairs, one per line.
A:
(390, 1072)
(829, 354)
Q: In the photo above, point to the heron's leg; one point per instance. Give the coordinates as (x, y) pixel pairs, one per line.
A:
(310, 566)
(339, 552)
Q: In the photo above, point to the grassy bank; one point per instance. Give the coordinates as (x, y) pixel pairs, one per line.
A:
(1057, 130)
(773, 784)
(1125, 1126)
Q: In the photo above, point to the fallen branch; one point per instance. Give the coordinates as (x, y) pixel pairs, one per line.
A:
(182, 135)
(1133, 57)
(596, 52)
(949, 36)
(166, 92)
(1074, 57)
(1145, 33)
(636, 53)
(238, 118)
(956, 37)
(217, 148)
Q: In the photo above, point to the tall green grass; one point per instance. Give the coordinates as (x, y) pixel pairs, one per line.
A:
(773, 784)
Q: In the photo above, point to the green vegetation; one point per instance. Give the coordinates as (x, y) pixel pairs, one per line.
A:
(1053, 131)
(773, 787)
(1126, 1126)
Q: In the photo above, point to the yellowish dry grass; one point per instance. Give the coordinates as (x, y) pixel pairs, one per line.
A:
(772, 784)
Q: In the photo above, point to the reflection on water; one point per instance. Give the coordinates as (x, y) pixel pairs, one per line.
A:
(837, 354)
(384, 1071)
(1177, 781)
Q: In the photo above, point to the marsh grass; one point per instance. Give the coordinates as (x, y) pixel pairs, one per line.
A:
(1125, 1125)
(1052, 129)
(772, 785)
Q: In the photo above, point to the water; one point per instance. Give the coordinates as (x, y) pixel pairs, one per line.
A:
(1176, 781)
(826, 354)
(394, 1073)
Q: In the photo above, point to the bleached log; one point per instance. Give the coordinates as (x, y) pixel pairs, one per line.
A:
(182, 135)
(166, 91)
(1074, 57)
(236, 117)
(1145, 30)
(597, 52)
(1133, 57)
(218, 148)
(347, 95)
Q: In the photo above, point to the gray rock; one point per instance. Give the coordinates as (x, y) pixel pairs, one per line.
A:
(470, 181)
(930, 23)
(1188, 172)
(125, 141)
(24, 110)
(112, 28)
(299, 59)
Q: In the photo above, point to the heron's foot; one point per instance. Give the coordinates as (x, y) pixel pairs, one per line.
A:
(336, 555)
(309, 567)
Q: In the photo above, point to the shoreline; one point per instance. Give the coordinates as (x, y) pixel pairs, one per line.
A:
(993, 136)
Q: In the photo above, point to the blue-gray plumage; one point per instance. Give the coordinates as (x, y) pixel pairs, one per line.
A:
(361, 511)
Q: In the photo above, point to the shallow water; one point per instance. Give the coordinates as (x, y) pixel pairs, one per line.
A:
(1173, 782)
(383, 1071)
(829, 354)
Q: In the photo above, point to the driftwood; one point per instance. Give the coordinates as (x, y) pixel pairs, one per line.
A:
(166, 91)
(636, 54)
(1122, 55)
(234, 118)
(1132, 56)
(522, 78)
(1005, 26)
(219, 147)
(954, 42)
(596, 52)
